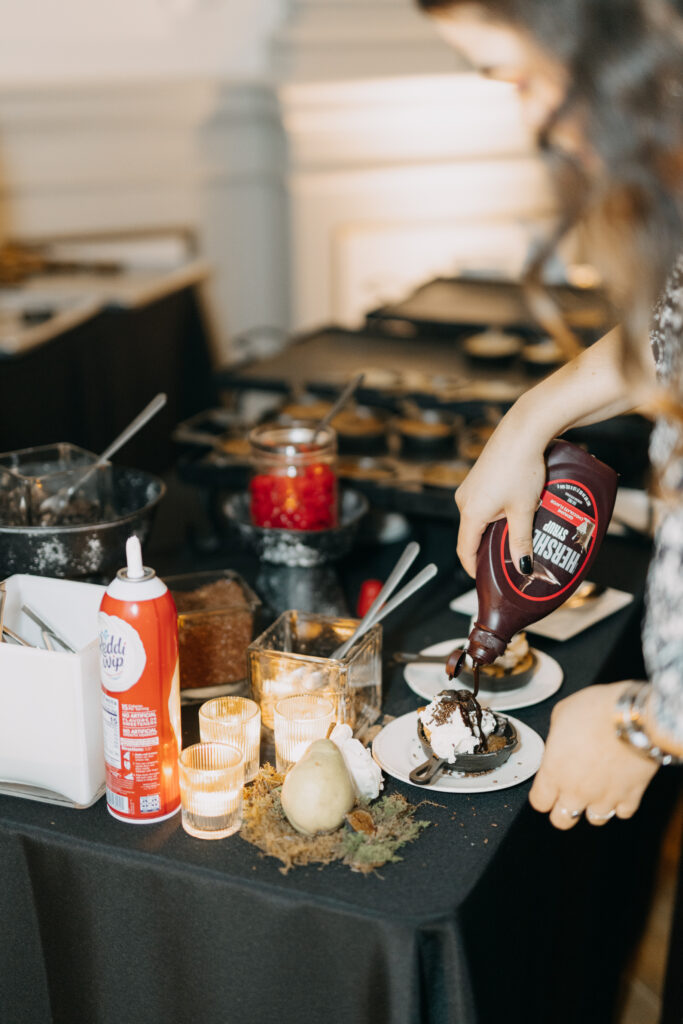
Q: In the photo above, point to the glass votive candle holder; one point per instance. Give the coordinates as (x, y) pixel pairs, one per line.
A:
(211, 781)
(298, 721)
(237, 722)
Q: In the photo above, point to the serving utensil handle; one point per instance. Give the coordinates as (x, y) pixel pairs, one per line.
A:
(410, 553)
(425, 772)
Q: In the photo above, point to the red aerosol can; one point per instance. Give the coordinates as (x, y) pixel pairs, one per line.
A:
(140, 693)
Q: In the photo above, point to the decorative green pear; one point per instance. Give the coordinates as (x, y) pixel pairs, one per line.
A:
(317, 792)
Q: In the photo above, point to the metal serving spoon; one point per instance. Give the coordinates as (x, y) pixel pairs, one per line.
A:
(339, 404)
(409, 658)
(410, 553)
(61, 498)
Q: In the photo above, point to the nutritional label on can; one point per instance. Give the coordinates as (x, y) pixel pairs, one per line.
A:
(110, 720)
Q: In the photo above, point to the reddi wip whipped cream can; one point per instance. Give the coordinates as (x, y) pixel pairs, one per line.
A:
(138, 631)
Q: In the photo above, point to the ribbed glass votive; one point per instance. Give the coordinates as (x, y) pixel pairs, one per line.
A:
(211, 781)
(298, 721)
(236, 721)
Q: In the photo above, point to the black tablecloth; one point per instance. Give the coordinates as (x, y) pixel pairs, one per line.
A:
(491, 915)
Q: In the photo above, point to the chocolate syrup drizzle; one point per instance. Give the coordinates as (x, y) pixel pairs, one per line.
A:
(470, 711)
(466, 701)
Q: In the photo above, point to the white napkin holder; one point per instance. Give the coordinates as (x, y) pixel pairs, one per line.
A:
(51, 745)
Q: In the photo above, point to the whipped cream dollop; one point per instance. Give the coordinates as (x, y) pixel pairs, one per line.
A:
(365, 773)
(451, 732)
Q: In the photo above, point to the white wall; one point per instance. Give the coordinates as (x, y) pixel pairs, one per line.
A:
(330, 154)
(110, 40)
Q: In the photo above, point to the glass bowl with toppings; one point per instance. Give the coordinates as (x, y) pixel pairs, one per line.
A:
(90, 548)
(216, 612)
(293, 483)
(298, 548)
(35, 486)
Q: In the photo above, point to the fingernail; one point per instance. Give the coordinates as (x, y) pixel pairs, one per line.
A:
(525, 565)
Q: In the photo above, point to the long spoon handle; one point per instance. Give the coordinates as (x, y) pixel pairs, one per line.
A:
(424, 576)
(143, 417)
(341, 401)
(410, 553)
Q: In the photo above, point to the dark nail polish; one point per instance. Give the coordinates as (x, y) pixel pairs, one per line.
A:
(526, 565)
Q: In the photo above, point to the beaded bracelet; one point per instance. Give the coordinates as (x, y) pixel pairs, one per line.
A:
(630, 726)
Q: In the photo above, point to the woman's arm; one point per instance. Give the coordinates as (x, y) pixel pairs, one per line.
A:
(509, 475)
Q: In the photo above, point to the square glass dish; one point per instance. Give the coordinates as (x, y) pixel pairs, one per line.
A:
(30, 477)
(293, 656)
(216, 613)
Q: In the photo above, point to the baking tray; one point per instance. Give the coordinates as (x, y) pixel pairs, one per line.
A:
(448, 305)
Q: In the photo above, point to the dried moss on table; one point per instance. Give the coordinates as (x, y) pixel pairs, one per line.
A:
(371, 837)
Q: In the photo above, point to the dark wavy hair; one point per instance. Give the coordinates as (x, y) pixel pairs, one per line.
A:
(624, 60)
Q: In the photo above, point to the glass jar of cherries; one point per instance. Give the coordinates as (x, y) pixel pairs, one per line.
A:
(293, 482)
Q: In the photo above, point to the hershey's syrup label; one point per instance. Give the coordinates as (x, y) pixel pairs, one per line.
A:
(564, 532)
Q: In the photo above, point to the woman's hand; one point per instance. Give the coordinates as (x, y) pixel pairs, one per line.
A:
(509, 475)
(586, 767)
(506, 481)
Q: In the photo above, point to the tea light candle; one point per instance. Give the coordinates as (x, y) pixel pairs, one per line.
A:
(299, 720)
(237, 722)
(211, 780)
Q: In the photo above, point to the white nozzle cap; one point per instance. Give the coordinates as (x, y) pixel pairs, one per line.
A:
(134, 567)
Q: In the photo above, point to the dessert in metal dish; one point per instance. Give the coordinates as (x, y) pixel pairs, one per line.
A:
(459, 735)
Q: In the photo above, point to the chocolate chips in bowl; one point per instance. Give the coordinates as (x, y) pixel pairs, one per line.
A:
(458, 735)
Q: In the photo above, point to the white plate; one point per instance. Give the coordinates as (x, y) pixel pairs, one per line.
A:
(397, 750)
(563, 623)
(428, 680)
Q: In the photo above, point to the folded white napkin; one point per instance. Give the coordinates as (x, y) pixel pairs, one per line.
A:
(563, 623)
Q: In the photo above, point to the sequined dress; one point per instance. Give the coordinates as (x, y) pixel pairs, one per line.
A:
(663, 626)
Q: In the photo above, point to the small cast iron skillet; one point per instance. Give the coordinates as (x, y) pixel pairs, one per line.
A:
(470, 763)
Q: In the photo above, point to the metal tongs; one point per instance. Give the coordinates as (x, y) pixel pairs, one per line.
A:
(378, 610)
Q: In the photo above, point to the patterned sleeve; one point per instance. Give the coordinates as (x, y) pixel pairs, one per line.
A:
(663, 626)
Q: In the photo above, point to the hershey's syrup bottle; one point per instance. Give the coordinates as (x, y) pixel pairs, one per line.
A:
(572, 517)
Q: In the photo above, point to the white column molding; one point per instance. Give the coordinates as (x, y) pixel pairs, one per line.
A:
(394, 180)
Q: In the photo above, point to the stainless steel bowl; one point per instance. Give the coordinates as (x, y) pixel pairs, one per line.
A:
(302, 548)
(91, 549)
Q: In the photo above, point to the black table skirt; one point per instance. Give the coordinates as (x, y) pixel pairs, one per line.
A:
(492, 915)
(87, 384)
